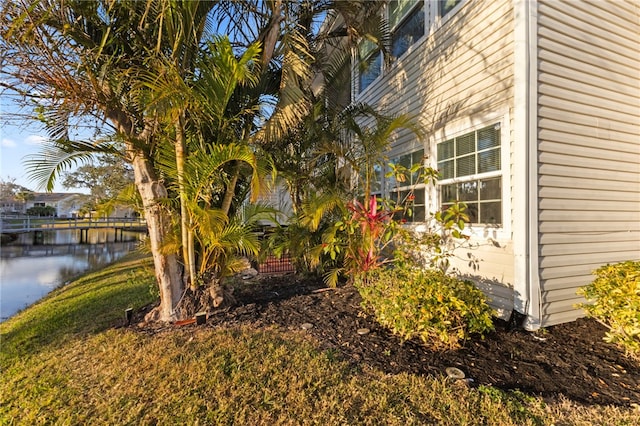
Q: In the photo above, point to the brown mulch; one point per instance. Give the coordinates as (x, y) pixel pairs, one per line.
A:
(569, 359)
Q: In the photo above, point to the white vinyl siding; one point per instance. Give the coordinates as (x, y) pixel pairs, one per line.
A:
(463, 67)
(572, 174)
(456, 79)
(588, 144)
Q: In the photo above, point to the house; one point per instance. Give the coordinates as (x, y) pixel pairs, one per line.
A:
(531, 114)
(65, 204)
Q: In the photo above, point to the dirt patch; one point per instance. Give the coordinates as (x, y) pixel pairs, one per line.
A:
(569, 359)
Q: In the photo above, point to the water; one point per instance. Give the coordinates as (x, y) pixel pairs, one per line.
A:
(29, 271)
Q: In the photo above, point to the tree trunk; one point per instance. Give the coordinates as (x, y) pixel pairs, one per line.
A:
(158, 220)
(188, 252)
(231, 189)
(271, 36)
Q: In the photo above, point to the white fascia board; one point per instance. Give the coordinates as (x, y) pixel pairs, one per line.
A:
(524, 167)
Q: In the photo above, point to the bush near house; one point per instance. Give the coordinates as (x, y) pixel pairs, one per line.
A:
(428, 304)
(379, 257)
(613, 299)
(42, 211)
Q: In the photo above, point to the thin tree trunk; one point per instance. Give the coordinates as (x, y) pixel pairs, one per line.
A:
(216, 290)
(271, 35)
(185, 217)
(231, 189)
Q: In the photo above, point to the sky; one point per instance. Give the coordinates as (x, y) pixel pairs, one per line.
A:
(16, 143)
(20, 138)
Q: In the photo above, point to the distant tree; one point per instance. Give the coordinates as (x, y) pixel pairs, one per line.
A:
(9, 189)
(105, 176)
(25, 195)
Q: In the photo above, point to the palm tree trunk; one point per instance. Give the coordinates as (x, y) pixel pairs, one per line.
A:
(185, 217)
(271, 35)
(231, 189)
(158, 223)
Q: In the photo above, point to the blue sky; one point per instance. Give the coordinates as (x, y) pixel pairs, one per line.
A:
(19, 138)
(16, 142)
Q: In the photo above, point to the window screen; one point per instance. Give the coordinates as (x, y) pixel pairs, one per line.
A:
(462, 162)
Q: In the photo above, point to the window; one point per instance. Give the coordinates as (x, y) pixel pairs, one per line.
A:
(407, 23)
(377, 179)
(400, 191)
(370, 63)
(446, 6)
(406, 19)
(469, 167)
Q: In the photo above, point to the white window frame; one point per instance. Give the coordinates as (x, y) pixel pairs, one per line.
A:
(499, 231)
(432, 21)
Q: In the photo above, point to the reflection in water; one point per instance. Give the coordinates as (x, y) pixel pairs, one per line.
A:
(72, 236)
(28, 271)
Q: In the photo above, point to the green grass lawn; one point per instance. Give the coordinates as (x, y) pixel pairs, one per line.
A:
(65, 361)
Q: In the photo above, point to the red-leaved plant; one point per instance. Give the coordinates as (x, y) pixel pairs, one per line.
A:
(366, 230)
(373, 224)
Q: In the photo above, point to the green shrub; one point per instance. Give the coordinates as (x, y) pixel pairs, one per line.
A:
(439, 309)
(613, 299)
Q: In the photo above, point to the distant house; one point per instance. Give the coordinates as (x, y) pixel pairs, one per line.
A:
(65, 204)
(12, 206)
(531, 111)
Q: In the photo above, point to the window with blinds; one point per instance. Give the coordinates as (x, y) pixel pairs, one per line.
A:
(469, 167)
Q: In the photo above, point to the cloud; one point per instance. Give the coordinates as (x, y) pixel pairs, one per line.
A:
(35, 139)
(8, 143)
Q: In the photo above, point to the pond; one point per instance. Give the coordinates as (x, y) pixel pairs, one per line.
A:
(29, 271)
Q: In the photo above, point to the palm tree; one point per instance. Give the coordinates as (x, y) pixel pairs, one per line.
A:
(103, 60)
(193, 101)
(87, 59)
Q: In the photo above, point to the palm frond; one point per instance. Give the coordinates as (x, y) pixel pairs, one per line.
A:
(293, 101)
(129, 197)
(240, 239)
(316, 207)
(253, 215)
(56, 157)
(203, 166)
(220, 73)
(332, 276)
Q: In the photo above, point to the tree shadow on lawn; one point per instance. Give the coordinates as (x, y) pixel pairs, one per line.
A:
(569, 359)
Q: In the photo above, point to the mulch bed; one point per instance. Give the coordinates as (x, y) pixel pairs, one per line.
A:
(569, 359)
